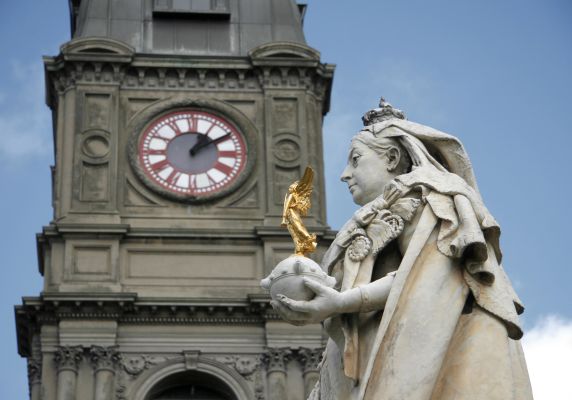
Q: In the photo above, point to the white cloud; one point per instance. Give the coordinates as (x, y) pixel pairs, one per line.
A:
(25, 123)
(548, 350)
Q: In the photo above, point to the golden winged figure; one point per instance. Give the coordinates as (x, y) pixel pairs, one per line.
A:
(296, 205)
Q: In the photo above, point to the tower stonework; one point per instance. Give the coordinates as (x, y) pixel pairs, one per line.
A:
(178, 126)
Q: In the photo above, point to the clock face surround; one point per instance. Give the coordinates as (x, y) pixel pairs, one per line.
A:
(192, 154)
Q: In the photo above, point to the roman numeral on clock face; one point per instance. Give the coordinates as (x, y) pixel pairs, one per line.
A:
(225, 169)
(160, 165)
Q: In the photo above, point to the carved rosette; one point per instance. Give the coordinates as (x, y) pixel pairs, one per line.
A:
(276, 359)
(68, 358)
(310, 359)
(104, 358)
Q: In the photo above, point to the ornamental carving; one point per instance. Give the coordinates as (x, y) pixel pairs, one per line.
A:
(137, 364)
(249, 368)
(310, 358)
(104, 358)
(244, 365)
(131, 368)
(287, 150)
(95, 144)
(34, 371)
(277, 358)
(68, 357)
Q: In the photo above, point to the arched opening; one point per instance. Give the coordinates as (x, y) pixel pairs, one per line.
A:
(191, 385)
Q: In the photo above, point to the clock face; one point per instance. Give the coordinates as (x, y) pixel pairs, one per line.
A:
(192, 154)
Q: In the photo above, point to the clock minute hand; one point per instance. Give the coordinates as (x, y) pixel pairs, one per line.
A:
(221, 138)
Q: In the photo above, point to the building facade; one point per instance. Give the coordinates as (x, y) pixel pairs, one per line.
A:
(178, 126)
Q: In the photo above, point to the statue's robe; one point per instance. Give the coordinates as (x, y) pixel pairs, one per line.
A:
(449, 330)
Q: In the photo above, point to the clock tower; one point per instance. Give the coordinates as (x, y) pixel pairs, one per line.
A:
(178, 127)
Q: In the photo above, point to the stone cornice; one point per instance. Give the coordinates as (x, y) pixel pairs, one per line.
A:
(125, 231)
(127, 308)
(283, 67)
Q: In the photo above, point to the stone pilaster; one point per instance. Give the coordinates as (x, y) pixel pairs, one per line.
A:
(310, 360)
(35, 377)
(276, 361)
(104, 361)
(35, 368)
(67, 359)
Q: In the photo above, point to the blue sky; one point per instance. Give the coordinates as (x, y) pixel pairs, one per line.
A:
(497, 74)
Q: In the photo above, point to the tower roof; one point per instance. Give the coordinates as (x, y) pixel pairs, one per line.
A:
(190, 27)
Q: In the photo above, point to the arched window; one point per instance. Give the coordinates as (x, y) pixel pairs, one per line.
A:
(191, 385)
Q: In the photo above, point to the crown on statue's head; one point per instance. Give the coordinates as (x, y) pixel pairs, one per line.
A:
(383, 113)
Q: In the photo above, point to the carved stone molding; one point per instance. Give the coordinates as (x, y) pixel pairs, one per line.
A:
(310, 358)
(139, 72)
(277, 358)
(68, 357)
(104, 358)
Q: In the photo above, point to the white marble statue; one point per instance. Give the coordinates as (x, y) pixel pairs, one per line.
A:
(422, 308)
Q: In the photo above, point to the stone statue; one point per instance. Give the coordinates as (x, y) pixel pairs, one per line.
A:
(421, 308)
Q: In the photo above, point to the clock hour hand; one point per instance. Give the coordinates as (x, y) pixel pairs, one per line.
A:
(203, 142)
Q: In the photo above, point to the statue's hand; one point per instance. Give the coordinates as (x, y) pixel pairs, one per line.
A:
(326, 303)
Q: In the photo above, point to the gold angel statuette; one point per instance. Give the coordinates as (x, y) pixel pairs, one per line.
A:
(296, 205)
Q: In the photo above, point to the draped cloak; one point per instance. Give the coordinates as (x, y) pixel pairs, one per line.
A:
(450, 329)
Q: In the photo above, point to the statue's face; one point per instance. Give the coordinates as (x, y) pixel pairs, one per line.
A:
(366, 174)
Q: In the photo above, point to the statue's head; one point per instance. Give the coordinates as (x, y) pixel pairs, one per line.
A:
(375, 158)
(293, 186)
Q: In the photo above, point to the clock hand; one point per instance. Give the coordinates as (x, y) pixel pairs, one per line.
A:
(221, 138)
(200, 144)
